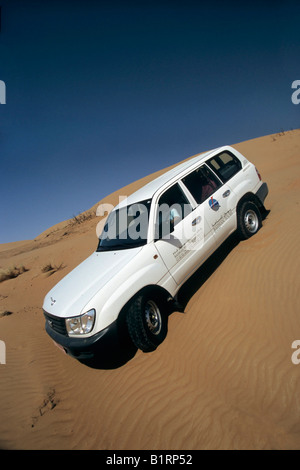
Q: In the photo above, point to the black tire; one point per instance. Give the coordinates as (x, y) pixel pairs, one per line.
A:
(249, 220)
(147, 322)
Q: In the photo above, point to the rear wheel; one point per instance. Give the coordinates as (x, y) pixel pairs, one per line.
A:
(147, 321)
(249, 220)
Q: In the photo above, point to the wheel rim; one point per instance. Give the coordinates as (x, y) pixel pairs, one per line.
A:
(153, 317)
(251, 221)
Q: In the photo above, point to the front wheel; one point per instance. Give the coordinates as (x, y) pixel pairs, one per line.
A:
(147, 322)
(249, 220)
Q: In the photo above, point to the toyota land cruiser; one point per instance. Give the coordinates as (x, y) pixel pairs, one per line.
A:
(152, 242)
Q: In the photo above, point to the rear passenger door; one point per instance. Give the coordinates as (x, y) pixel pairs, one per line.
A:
(228, 168)
(218, 202)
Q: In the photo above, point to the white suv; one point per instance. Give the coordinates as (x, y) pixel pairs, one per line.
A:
(153, 241)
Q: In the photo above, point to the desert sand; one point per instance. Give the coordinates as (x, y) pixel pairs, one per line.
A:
(222, 379)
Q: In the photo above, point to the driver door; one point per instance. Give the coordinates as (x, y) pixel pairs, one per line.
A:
(179, 232)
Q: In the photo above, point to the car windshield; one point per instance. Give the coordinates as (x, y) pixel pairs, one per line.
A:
(126, 227)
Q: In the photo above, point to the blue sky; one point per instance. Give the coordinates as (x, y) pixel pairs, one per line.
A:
(102, 93)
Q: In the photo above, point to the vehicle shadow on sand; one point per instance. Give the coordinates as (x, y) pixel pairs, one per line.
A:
(117, 353)
(206, 270)
(196, 281)
(120, 351)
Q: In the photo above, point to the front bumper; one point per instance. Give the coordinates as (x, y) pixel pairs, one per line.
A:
(85, 348)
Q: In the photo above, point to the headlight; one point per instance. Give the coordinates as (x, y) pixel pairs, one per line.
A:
(82, 324)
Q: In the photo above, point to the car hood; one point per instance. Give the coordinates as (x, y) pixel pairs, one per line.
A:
(70, 296)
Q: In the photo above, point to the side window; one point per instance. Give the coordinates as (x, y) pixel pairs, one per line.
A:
(201, 183)
(225, 165)
(173, 206)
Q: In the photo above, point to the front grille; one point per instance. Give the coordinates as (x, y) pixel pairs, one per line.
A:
(56, 323)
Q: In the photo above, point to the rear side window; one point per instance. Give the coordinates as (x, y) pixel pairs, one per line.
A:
(225, 165)
(201, 183)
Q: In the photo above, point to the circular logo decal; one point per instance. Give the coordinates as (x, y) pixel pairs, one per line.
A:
(214, 204)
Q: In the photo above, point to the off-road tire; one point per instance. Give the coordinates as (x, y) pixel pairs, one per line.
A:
(249, 220)
(147, 321)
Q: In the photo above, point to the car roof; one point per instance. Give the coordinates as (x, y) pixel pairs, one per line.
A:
(149, 190)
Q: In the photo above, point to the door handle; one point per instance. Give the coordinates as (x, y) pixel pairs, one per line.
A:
(196, 221)
(226, 194)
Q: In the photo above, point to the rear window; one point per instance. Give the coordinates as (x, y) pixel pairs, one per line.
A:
(225, 165)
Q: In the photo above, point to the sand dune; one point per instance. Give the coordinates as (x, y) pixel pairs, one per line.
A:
(222, 379)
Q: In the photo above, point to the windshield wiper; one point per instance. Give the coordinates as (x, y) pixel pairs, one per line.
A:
(120, 246)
